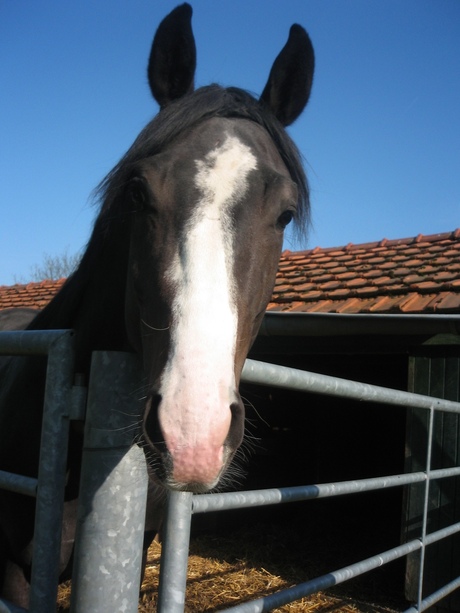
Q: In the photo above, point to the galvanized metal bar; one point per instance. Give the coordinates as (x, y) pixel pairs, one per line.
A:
(28, 342)
(113, 491)
(232, 500)
(236, 500)
(18, 483)
(52, 475)
(442, 533)
(174, 555)
(426, 501)
(274, 375)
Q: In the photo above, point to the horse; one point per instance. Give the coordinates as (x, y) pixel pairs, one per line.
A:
(179, 269)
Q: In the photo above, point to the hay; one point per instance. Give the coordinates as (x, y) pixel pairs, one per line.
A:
(228, 569)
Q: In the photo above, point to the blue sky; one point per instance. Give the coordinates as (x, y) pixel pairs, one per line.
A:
(381, 134)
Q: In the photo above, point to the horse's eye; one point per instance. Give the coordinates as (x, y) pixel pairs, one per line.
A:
(284, 219)
(136, 195)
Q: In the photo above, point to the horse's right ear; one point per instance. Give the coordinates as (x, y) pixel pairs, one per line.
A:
(172, 61)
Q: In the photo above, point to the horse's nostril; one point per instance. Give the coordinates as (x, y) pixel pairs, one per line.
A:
(236, 432)
(152, 429)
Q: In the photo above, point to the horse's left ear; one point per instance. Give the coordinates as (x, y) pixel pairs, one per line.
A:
(172, 61)
(289, 84)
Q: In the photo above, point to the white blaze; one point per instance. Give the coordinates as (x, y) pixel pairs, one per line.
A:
(198, 383)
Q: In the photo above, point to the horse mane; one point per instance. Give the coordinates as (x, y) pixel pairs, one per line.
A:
(170, 122)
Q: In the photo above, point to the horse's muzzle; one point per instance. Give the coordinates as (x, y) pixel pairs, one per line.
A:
(190, 464)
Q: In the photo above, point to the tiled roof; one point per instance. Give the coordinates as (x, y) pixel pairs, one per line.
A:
(411, 275)
(32, 295)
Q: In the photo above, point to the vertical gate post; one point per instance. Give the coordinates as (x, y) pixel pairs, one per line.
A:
(113, 491)
(52, 475)
(174, 555)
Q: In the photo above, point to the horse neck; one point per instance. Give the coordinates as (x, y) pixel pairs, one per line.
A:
(92, 300)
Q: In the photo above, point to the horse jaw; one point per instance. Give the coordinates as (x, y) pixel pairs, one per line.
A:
(198, 388)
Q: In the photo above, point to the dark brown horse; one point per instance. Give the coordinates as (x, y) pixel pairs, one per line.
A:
(179, 268)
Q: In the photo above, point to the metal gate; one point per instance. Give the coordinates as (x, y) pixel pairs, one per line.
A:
(183, 505)
(111, 513)
(63, 401)
(58, 405)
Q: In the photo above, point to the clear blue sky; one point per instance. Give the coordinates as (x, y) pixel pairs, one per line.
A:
(381, 135)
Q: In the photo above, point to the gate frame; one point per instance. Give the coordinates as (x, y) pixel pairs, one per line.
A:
(48, 488)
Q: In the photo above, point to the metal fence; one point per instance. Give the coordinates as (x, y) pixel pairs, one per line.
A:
(183, 505)
(100, 588)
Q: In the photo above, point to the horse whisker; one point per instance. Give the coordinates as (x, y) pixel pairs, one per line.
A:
(153, 328)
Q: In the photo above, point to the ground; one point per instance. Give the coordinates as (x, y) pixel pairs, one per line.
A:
(254, 560)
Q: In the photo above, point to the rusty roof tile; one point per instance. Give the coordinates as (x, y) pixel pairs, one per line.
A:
(415, 303)
(358, 282)
(401, 272)
(324, 278)
(283, 288)
(367, 290)
(305, 287)
(330, 285)
(427, 286)
(343, 276)
(447, 302)
(371, 274)
(385, 281)
(339, 293)
(445, 275)
(388, 265)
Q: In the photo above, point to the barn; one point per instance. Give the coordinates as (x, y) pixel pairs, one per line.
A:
(385, 313)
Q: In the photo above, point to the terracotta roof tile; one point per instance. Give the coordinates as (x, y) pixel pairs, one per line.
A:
(409, 275)
(32, 295)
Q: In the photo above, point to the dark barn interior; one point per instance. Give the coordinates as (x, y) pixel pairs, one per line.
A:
(299, 438)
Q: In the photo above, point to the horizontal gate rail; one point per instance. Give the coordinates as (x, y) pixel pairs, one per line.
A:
(262, 373)
(58, 345)
(30, 342)
(204, 503)
(18, 483)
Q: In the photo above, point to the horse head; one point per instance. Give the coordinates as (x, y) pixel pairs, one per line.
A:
(208, 207)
